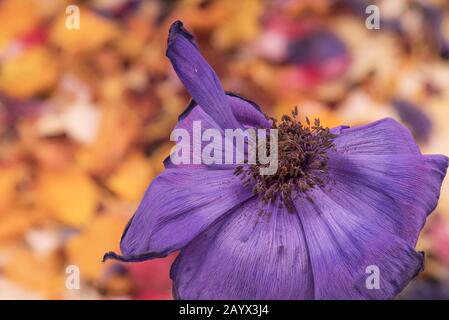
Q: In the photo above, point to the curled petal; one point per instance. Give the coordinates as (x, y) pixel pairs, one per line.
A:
(247, 113)
(198, 77)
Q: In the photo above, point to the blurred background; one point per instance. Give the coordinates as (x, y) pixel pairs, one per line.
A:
(86, 114)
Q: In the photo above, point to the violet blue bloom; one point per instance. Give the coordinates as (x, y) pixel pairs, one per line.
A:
(354, 198)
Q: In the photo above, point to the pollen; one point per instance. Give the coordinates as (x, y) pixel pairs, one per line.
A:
(303, 162)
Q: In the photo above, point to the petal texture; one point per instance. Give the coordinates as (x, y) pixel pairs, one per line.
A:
(385, 136)
(178, 205)
(393, 194)
(247, 113)
(342, 248)
(198, 77)
(248, 254)
(379, 192)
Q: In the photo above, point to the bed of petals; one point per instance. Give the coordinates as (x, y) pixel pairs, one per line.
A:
(85, 116)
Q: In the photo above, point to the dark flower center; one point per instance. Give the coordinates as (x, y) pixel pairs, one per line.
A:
(302, 156)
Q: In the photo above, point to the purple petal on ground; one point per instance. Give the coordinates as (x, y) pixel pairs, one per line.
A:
(418, 122)
(246, 255)
(178, 205)
(434, 20)
(316, 48)
(198, 77)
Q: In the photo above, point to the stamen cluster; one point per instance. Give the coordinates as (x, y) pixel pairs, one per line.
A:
(302, 155)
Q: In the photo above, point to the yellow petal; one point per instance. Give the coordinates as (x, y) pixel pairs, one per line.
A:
(132, 177)
(13, 24)
(31, 72)
(10, 177)
(39, 274)
(87, 248)
(70, 195)
(94, 32)
(17, 222)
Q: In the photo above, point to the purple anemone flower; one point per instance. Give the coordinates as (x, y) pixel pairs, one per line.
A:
(343, 200)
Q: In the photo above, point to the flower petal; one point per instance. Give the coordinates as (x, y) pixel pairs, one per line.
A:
(198, 77)
(416, 119)
(178, 205)
(392, 193)
(247, 113)
(385, 136)
(369, 214)
(248, 254)
(343, 249)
